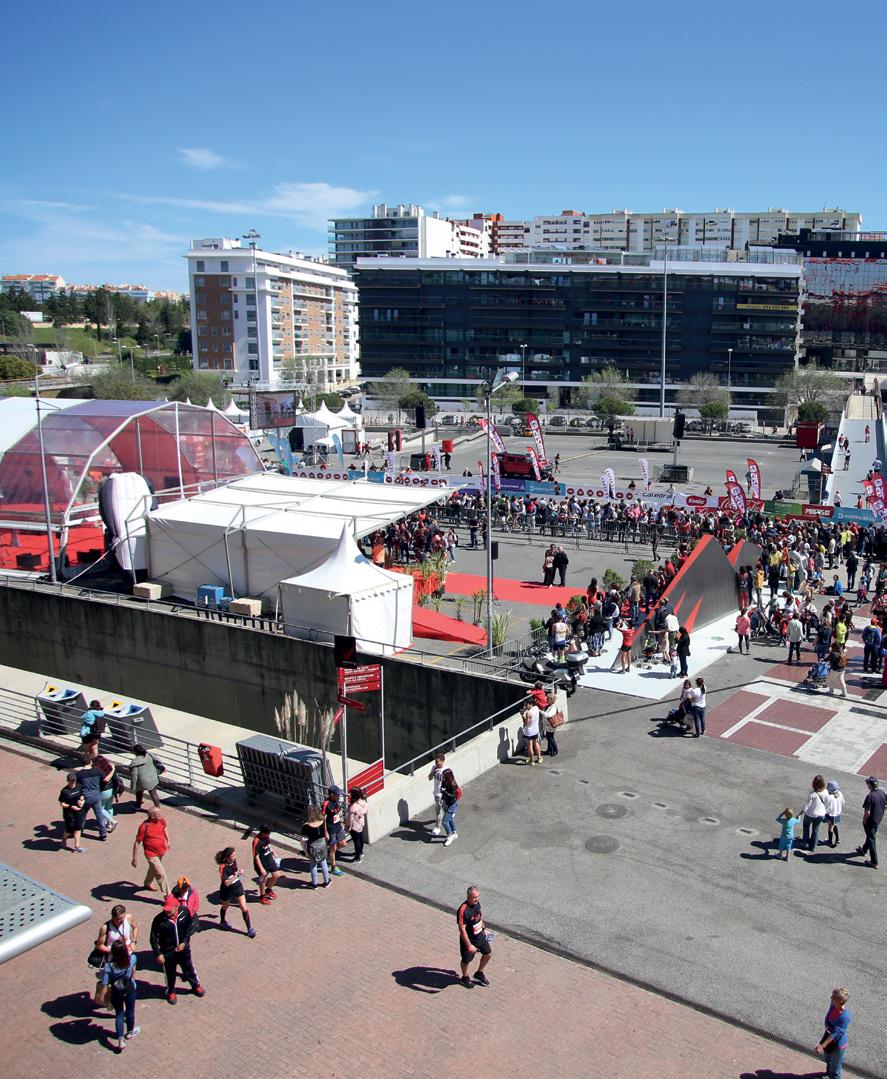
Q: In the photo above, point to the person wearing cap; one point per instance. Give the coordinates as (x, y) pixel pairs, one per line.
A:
(73, 812)
(872, 815)
(189, 897)
(334, 812)
(171, 944)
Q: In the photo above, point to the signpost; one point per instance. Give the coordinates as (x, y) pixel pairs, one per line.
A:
(351, 680)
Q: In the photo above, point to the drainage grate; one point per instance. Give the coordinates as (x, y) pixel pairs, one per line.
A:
(709, 820)
(585, 781)
(629, 794)
(660, 805)
(746, 831)
(601, 844)
(611, 810)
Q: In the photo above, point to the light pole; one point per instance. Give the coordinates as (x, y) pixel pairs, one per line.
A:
(252, 237)
(503, 378)
(729, 379)
(523, 368)
(50, 545)
(665, 240)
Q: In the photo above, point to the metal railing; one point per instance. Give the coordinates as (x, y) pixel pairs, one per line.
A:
(22, 718)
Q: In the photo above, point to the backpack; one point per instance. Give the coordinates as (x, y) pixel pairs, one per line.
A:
(120, 980)
(317, 850)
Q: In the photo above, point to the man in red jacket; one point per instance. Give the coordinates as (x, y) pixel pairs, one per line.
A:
(153, 837)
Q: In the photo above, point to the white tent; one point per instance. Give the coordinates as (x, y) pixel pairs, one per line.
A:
(322, 424)
(234, 410)
(211, 406)
(346, 413)
(349, 596)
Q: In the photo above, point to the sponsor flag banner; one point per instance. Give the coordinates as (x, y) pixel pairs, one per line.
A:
(390, 462)
(536, 432)
(754, 478)
(878, 484)
(337, 442)
(731, 477)
(436, 452)
(611, 478)
(645, 471)
(869, 490)
(534, 461)
(495, 437)
(737, 498)
(495, 473)
(480, 470)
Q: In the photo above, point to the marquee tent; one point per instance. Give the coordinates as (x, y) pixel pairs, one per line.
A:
(249, 535)
(349, 596)
(319, 427)
(348, 414)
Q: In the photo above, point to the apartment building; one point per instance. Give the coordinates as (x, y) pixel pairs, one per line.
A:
(452, 324)
(39, 286)
(404, 230)
(253, 310)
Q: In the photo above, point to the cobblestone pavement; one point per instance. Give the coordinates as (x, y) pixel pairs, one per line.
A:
(353, 979)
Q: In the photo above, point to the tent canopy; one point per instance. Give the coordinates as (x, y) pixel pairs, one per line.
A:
(18, 415)
(172, 445)
(346, 413)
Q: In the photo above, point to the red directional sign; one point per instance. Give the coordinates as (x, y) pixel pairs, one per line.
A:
(351, 703)
(360, 679)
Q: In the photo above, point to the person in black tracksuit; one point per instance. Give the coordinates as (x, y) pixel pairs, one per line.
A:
(170, 941)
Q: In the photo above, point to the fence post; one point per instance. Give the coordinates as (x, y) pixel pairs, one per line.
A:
(188, 764)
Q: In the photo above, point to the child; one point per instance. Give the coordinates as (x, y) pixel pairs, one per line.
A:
(835, 809)
(862, 593)
(673, 656)
(789, 822)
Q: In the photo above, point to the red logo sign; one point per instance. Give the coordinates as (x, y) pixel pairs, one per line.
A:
(351, 703)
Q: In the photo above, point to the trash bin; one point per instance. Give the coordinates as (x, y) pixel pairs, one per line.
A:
(62, 708)
(128, 723)
(211, 759)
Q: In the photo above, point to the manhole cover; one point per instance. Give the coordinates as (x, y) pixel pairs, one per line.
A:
(611, 811)
(601, 844)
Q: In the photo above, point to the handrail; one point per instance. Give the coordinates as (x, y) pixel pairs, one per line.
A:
(451, 741)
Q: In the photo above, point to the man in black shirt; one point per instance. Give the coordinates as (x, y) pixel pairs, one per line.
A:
(171, 944)
(561, 561)
(90, 779)
(872, 815)
(71, 800)
(473, 938)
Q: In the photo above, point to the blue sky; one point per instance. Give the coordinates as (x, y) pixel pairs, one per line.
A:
(129, 129)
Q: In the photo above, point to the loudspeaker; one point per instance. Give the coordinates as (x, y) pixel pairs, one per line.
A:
(297, 439)
(420, 417)
(677, 430)
(390, 440)
(494, 550)
(344, 651)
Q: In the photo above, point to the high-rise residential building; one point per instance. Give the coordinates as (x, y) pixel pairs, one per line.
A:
(404, 230)
(254, 310)
(454, 323)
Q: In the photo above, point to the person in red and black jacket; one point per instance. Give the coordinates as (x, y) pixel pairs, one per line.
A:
(628, 635)
(171, 944)
(473, 938)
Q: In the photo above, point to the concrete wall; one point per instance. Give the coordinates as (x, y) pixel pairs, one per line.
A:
(231, 674)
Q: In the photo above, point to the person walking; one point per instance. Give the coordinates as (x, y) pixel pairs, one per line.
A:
(266, 864)
(868, 433)
(698, 708)
(357, 820)
(92, 726)
(90, 779)
(118, 973)
(743, 631)
(833, 1043)
(437, 770)
(787, 822)
(143, 776)
(795, 636)
(530, 732)
(835, 810)
(872, 815)
(683, 650)
(107, 787)
(871, 640)
(628, 635)
(815, 811)
(120, 927)
(334, 813)
(837, 662)
(560, 561)
(316, 841)
(73, 813)
(231, 889)
(171, 944)
(847, 459)
(473, 938)
(451, 794)
(550, 724)
(153, 838)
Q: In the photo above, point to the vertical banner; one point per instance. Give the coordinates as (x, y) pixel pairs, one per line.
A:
(536, 432)
(494, 472)
(480, 470)
(731, 477)
(534, 461)
(754, 478)
(337, 442)
(436, 452)
(737, 498)
(878, 484)
(645, 472)
(495, 437)
(611, 481)
(390, 462)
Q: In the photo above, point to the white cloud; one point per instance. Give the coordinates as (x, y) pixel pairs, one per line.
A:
(309, 204)
(198, 157)
(451, 202)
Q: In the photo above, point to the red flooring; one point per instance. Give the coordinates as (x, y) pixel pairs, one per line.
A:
(876, 765)
(81, 538)
(857, 683)
(729, 712)
(790, 714)
(772, 739)
(532, 592)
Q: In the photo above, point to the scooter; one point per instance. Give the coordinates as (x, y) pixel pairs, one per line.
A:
(545, 671)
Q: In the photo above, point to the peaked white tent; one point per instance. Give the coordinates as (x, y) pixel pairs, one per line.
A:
(349, 596)
(347, 413)
(234, 410)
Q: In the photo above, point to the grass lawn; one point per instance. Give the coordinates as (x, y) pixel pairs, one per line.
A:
(80, 340)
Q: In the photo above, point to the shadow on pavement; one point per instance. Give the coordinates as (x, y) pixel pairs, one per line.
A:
(425, 979)
(125, 890)
(766, 1073)
(769, 848)
(80, 1027)
(413, 832)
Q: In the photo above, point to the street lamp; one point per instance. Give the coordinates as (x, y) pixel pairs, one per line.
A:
(729, 367)
(503, 378)
(252, 237)
(523, 368)
(665, 242)
(49, 539)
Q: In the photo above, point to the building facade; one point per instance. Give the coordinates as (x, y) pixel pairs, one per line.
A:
(453, 323)
(404, 231)
(39, 286)
(258, 314)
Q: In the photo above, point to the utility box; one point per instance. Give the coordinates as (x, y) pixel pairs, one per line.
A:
(211, 759)
(294, 775)
(676, 474)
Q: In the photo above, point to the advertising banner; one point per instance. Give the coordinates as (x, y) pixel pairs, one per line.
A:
(391, 462)
(611, 477)
(534, 461)
(496, 474)
(645, 471)
(536, 432)
(495, 437)
(268, 410)
(878, 484)
(754, 478)
(737, 498)
(731, 477)
(337, 443)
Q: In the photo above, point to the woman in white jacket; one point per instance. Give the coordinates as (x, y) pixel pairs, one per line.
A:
(816, 809)
(835, 809)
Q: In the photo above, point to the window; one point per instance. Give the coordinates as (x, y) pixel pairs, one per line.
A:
(251, 331)
(224, 265)
(226, 313)
(252, 349)
(215, 331)
(201, 330)
(253, 365)
(200, 281)
(234, 282)
(224, 282)
(251, 316)
(237, 314)
(250, 301)
(250, 282)
(201, 314)
(226, 331)
(200, 297)
(201, 266)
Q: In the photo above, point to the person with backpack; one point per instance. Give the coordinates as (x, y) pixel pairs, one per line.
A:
(92, 727)
(171, 944)
(871, 639)
(231, 889)
(107, 788)
(334, 814)
(316, 841)
(73, 813)
(266, 864)
(118, 974)
(450, 794)
(120, 928)
(551, 720)
(837, 662)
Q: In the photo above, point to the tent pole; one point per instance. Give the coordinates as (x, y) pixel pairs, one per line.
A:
(345, 749)
(139, 442)
(382, 706)
(179, 454)
(228, 562)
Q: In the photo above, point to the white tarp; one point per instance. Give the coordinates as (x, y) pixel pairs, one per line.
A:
(350, 596)
(250, 535)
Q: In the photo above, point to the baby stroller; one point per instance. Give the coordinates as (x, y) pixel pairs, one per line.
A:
(679, 716)
(649, 651)
(817, 676)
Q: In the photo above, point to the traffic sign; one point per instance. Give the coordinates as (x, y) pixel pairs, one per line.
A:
(351, 703)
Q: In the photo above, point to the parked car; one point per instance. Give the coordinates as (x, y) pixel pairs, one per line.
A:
(557, 421)
(447, 421)
(578, 421)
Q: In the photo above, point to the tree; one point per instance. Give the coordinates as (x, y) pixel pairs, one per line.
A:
(812, 412)
(803, 385)
(332, 401)
(119, 385)
(98, 309)
(199, 387)
(504, 397)
(15, 391)
(183, 342)
(418, 397)
(608, 407)
(524, 404)
(608, 383)
(13, 367)
(393, 388)
(704, 393)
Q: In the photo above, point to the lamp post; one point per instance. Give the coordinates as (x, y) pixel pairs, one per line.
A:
(665, 240)
(729, 378)
(503, 378)
(50, 545)
(252, 237)
(523, 368)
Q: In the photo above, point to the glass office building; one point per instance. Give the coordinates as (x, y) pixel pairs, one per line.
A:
(451, 323)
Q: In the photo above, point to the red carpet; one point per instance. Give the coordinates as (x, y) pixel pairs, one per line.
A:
(463, 584)
(440, 627)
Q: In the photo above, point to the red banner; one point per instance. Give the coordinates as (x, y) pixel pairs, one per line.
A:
(495, 472)
(536, 432)
(370, 780)
(534, 461)
(495, 437)
(754, 478)
(731, 477)
(737, 498)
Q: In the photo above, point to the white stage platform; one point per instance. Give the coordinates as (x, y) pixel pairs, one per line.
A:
(706, 645)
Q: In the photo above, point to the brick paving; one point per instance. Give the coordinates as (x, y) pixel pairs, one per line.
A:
(354, 979)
